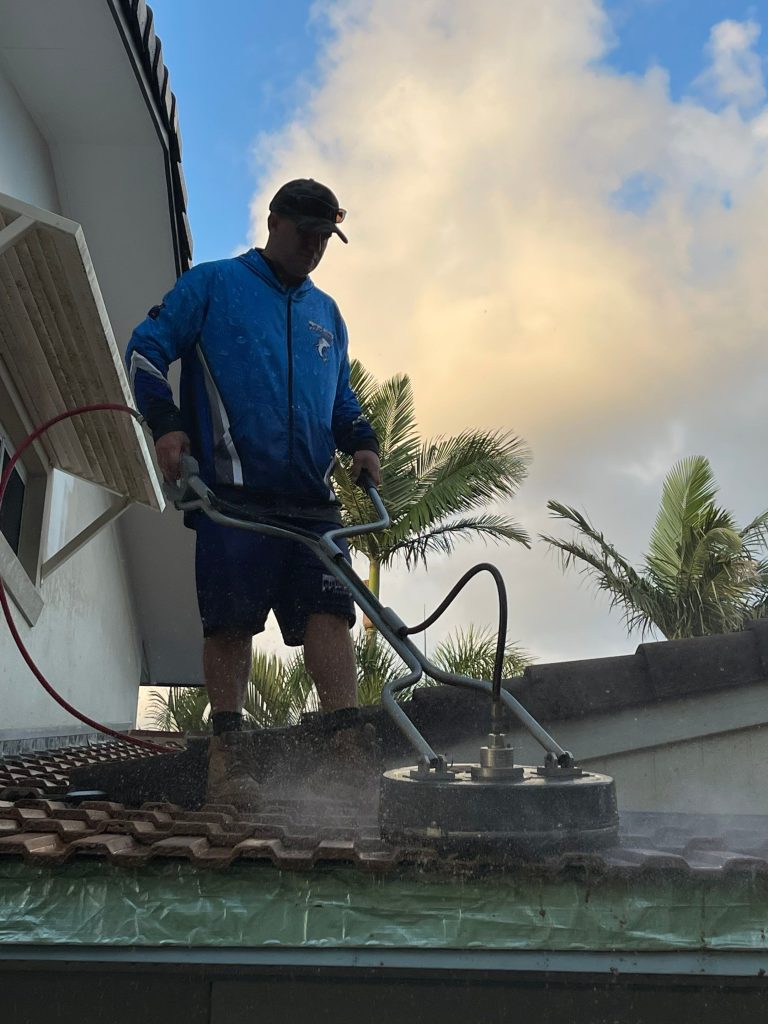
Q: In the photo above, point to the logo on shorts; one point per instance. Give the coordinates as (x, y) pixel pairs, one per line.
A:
(324, 342)
(331, 584)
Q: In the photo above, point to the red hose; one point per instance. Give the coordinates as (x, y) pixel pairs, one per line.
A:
(100, 407)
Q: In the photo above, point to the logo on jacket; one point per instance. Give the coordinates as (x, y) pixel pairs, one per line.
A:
(324, 341)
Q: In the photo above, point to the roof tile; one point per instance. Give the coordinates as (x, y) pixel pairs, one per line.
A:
(645, 858)
(297, 835)
(41, 847)
(103, 845)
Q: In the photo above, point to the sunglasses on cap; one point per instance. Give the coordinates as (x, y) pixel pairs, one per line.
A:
(311, 206)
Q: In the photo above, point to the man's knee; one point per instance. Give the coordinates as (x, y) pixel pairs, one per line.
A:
(228, 636)
(329, 620)
(327, 626)
(224, 645)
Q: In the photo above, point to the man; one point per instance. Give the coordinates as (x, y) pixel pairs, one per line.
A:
(265, 402)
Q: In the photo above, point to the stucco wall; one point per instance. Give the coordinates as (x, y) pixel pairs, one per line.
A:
(25, 164)
(720, 774)
(135, 268)
(703, 753)
(85, 639)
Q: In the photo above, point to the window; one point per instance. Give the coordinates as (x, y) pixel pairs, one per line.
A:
(12, 508)
(23, 507)
(54, 324)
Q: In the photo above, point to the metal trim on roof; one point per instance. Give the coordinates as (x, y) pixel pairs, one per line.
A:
(722, 964)
(57, 344)
(139, 21)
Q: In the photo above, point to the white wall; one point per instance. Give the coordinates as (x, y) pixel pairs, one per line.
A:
(86, 638)
(700, 754)
(84, 643)
(115, 192)
(720, 774)
(26, 171)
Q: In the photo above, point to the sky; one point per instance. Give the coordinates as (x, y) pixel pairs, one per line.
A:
(557, 224)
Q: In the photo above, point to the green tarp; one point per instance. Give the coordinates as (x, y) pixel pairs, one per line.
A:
(174, 903)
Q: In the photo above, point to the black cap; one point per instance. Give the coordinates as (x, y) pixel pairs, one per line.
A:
(311, 205)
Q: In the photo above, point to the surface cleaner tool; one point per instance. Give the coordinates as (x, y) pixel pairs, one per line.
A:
(494, 803)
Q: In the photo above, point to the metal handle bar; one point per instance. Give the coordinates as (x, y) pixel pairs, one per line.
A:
(366, 483)
(190, 493)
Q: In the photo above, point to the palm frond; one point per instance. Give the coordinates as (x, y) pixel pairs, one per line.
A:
(755, 534)
(641, 606)
(585, 527)
(701, 574)
(377, 664)
(472, 652)
(414, 547)
(461, 473)
(278, 692)
(430, 487)
(180, 709)
(687, 494)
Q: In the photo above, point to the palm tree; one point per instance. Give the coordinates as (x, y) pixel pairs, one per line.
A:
(184, 709)
(472, 652)
(436, 490)
(278, 691)
(701, 575)
(377, 663)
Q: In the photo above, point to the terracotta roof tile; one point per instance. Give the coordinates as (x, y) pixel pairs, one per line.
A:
(48, 773)
(51, 832)
(121, 850)
(644, 858)
(42, 848)
(300, 834)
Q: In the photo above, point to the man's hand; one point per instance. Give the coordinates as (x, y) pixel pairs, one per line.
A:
(169, 448)
(363, 459)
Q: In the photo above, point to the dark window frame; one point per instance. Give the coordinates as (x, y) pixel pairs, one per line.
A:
(11, 523)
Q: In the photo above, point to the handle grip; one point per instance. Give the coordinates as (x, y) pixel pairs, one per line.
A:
(365, 481)
(188, 466)
(189, 486)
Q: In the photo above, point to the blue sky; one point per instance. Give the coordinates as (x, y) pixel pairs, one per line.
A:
(671, 33)
(557, 228)
(250, 67)
(236, 73)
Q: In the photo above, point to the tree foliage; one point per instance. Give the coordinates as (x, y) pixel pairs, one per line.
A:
(436, 491)
(280, 691)
(182, 709)
(472, 652)
(702, 574)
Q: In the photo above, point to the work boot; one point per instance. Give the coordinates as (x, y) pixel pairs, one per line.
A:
(231, 779)
(356, 748)
(351, 752)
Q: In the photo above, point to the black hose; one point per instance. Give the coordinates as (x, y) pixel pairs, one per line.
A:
(501, 643)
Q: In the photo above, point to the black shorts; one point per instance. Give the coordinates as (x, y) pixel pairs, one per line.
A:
(242, 575)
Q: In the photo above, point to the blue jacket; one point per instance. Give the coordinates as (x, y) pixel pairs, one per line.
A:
(265, 395)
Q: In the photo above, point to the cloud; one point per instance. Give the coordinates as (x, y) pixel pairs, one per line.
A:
(736, 71)
(502, 254)
(654, 467)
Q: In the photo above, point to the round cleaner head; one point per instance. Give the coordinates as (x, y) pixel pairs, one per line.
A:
(538, 813)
